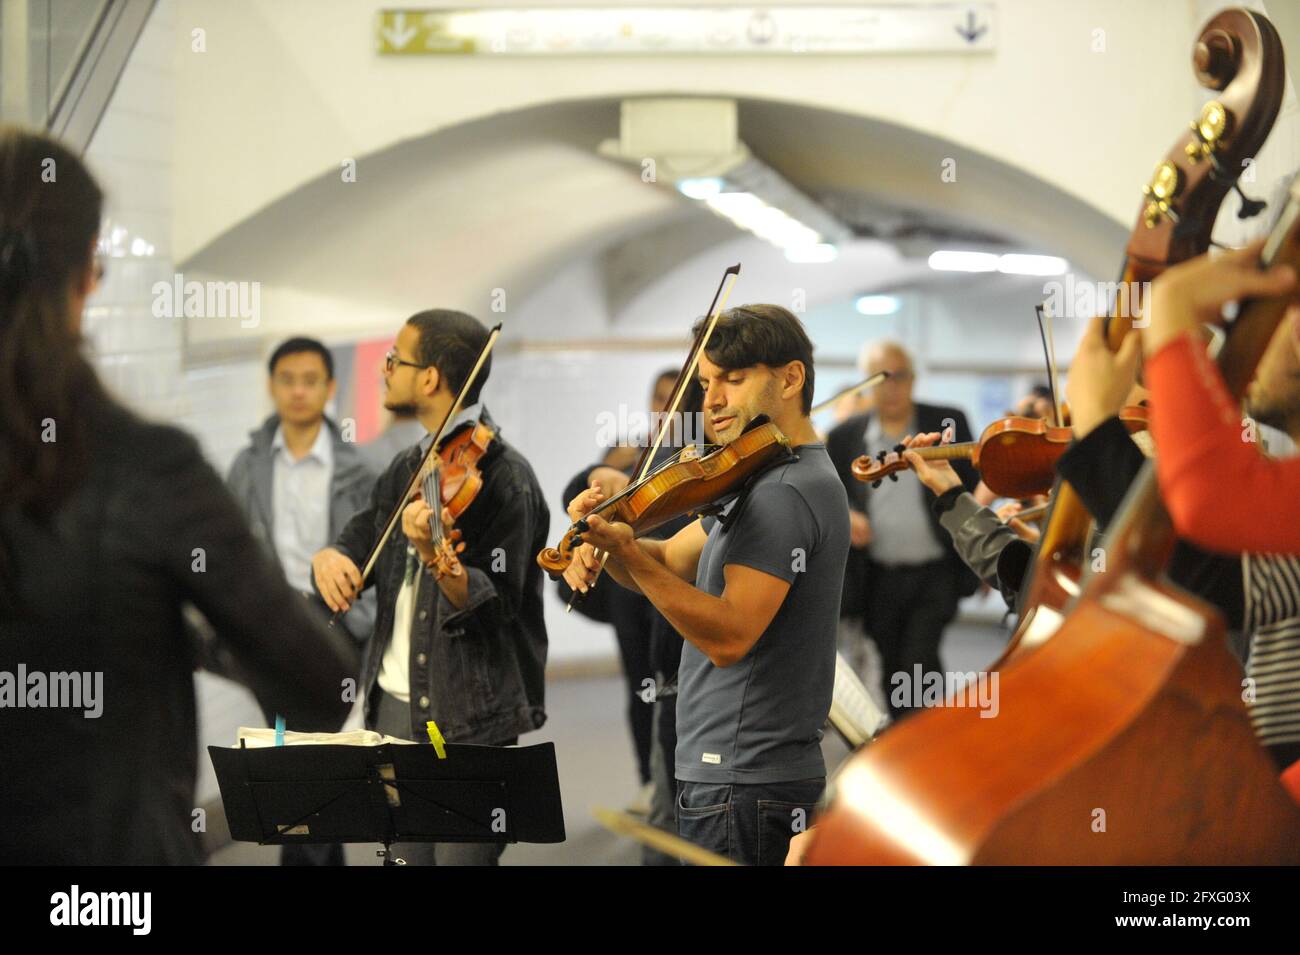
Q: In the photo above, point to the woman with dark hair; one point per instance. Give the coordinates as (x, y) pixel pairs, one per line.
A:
(108, 526)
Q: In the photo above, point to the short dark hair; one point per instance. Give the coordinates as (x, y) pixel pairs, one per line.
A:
(451, 341)
(296, 346)
(761, 335)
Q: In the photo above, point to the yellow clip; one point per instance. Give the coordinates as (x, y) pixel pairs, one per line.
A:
(435, 737)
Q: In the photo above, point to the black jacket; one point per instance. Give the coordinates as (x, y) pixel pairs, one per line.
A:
(478, 672)
(101, 589)
(845, 443)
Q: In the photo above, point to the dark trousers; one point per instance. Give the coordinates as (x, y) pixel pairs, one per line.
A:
(749, 824)
(633, 618)
(665, 657)
(908, 611)
(392, 717)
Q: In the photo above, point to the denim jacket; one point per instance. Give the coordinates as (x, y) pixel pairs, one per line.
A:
(479, 672)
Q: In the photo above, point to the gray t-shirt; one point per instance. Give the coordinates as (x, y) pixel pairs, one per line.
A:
(760, 720)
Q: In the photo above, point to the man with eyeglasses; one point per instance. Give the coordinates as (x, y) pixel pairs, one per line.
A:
(403, 430)
(904, 579)
(299, 483)
(465, 651)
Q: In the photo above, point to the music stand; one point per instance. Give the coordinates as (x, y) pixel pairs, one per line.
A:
(326, 793)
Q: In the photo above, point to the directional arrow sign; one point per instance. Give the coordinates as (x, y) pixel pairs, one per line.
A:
(701, 31)
(971, 32)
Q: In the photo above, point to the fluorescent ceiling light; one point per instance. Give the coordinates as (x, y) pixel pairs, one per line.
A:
(814, 252)
(700, 188)
(1032, 265)
(951, 261)
(877, 304)
(747, 211)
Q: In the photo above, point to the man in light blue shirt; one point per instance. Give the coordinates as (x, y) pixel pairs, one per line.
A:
(299, 483)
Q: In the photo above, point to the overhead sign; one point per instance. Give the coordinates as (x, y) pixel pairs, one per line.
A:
(711, 31)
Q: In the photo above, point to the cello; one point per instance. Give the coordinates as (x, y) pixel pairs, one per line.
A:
(1124, 738)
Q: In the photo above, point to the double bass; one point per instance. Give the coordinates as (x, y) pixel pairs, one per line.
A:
(1121, 740)
(1238, 55)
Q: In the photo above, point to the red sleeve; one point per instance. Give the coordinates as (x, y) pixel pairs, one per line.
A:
(1222, 493)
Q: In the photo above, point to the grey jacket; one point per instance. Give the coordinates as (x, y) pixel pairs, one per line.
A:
(250, 480)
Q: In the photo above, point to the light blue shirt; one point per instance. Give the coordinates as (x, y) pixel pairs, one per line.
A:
(300, 502)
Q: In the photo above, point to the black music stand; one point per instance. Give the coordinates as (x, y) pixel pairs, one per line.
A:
(395, 792)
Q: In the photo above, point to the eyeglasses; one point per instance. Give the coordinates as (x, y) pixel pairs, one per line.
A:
(391, 361)
(896, 378)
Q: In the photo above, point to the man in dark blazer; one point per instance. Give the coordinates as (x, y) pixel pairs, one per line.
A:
(903, 580)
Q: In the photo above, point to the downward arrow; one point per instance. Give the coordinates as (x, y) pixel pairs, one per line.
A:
(971, 33)
(399, 34)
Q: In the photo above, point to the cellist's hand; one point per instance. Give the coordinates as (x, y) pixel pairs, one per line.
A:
(1099, 379)
(1194, 292)
(938, 476)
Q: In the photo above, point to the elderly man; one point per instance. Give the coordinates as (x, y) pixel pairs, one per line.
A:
(903, 578)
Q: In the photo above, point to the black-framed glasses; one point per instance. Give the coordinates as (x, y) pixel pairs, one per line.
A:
(391, 361)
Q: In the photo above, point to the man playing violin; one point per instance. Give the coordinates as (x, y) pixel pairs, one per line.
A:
(756, 595)
(466, 650)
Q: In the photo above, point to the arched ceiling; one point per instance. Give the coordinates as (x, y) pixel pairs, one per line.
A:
(506, 202)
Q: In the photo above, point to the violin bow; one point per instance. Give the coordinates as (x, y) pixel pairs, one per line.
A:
(414, 483)
(679, 389)
(1049, 354)
(863, 385)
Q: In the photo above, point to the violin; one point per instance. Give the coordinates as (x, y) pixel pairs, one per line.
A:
(453, 478)
(414, 484)
(548, 556)
(1124, 738)
(1016, 456)
(690, 483)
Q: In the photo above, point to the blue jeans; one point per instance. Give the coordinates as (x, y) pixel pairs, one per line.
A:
(747, 823)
